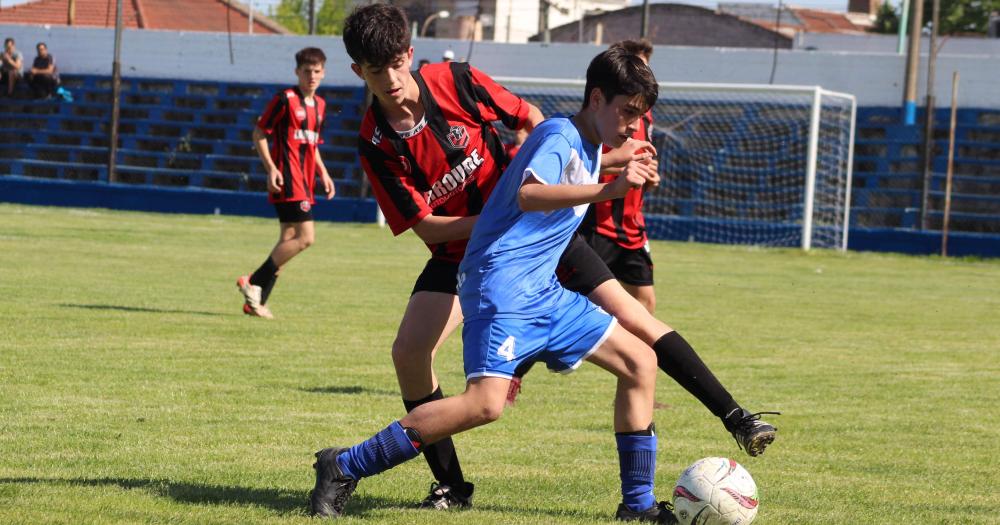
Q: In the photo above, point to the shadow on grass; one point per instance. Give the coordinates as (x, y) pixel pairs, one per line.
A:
(351, 390)
(137, 309)
(281, 501)
(285, 502)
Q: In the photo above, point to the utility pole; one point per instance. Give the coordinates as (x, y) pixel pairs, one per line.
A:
(312, 17)
(913, 65)
(116, 91)
(543, 21)
(71, 13)
(644, 32)
(928, 151)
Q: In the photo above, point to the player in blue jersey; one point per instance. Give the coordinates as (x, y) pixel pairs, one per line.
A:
(515, 310)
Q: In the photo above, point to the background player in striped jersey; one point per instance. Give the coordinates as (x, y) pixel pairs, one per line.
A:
(616, 229)
(293, 120)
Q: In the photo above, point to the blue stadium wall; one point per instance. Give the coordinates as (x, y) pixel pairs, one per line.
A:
(32, 191)
(28, 190)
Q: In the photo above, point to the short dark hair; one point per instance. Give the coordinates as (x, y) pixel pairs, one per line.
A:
(376, 34)
(312, 56)
(9, 40)
(617, 72)
(41, 44)
(641, 47)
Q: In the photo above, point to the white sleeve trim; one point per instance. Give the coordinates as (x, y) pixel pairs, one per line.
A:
(528, 172)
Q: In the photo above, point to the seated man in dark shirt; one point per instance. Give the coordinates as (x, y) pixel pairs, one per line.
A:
(43, 77)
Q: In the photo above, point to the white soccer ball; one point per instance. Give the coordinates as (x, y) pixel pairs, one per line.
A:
(715, 491)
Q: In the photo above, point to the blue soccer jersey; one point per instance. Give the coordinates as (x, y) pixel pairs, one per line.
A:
(509, 264)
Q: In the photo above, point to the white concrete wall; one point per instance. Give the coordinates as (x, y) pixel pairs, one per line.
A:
(875, 78)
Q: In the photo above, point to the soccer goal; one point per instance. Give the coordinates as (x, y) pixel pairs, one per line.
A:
(741, 164)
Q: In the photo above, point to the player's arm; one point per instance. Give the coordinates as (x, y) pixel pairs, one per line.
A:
(274, 178)
(328, 188)
(536, 195)
(433, 229)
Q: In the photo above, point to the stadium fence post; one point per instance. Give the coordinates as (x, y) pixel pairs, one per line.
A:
(811, 155)
(951, 161)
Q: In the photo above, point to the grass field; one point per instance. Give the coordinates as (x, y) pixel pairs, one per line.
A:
(133, 390)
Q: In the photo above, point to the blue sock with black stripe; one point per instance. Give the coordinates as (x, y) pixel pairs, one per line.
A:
(379, 453)
(637, 461)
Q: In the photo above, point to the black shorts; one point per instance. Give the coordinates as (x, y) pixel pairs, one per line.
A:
(580, 268)
(295, 211)
(634, 267)
(438, 276)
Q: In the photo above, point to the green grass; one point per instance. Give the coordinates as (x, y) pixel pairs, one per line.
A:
(132, 389)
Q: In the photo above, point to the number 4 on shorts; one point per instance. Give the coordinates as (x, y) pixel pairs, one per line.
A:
(506, 350)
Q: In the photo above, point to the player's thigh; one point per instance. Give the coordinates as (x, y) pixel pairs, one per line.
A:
(305, 231)
(631, 314)
(494, 347)
(625, 356)
(428, 320)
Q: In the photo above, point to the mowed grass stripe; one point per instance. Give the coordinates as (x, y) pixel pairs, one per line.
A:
(132, 388)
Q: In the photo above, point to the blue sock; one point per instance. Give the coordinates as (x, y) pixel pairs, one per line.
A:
(637, 460)
(381, 452)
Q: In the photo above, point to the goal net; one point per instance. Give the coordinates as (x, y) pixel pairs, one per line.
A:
(741, 164)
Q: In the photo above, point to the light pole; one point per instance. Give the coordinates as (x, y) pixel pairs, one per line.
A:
(427, 21)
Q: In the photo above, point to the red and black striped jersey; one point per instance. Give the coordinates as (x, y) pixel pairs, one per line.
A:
(295, 127)
(621, 219)
(448, 164)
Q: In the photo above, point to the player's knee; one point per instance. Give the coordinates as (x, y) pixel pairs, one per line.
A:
(641, 366)
(406, 353)
(306, 241)
(490, 412)
(649, 302)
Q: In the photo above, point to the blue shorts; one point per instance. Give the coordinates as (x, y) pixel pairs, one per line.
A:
(561, 339)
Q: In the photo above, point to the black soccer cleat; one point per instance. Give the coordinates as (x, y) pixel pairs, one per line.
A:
(662, 512)
(750, 433)
(444, 497)
(333, 488)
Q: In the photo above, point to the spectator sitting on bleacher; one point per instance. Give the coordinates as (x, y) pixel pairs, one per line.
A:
(43, 78)
(12, 65)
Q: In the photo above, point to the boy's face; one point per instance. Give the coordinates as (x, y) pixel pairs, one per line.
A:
(390, 82)
(43, 51)
(310, 75)
(618, 119)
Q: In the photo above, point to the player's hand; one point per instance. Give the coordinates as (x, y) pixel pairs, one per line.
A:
(275, 181)
(328, 187)
(631, 151)
(654, 181)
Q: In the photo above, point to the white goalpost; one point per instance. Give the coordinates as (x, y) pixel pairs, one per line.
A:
(753, 164)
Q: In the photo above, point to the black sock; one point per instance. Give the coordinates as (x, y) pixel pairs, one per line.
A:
(265, 277)
(265, 291)
(676, 357)
(441, 456)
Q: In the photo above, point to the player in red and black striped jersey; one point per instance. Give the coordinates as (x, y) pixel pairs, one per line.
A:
(429, 149)
(616, 229)
(293, 120)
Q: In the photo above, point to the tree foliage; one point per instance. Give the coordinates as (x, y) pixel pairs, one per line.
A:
(886, 20)
(330, 14)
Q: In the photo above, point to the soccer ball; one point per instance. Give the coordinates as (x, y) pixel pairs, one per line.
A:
(715, 491)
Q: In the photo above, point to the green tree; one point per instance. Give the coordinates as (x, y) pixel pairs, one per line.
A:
(330, 14)
(330, 18)
(962, 16)
(886, 20)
